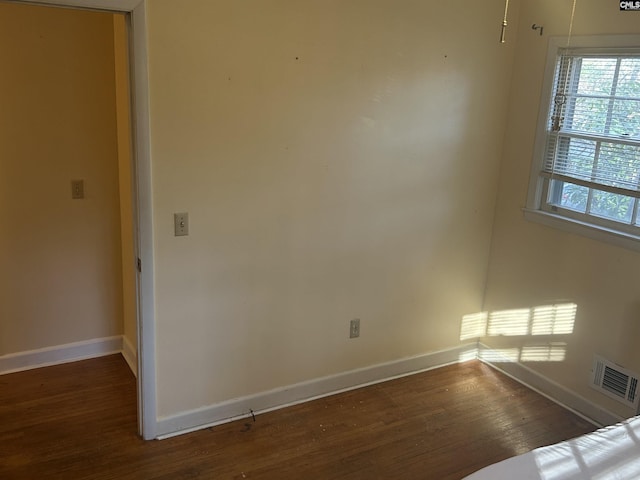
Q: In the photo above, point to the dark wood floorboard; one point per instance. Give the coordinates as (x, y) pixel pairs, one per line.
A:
(78, 421)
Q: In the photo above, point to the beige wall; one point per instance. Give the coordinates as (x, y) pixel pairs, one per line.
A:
(60, 275)
(337, 160)
(536, 265)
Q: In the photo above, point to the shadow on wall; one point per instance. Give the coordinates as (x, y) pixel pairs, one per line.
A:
(536, 332)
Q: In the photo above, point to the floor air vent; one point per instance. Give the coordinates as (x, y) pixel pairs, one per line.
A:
(615, 381)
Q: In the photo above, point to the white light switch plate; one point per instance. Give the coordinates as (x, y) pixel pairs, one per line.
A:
(77, 189)
(181, 224)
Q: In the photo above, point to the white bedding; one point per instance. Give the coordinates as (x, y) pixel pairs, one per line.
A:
(611, 453)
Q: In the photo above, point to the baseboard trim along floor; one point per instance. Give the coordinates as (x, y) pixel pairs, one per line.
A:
(547, 387)
(130, 356)
(70, 352)
(305, 391)
(278, 398)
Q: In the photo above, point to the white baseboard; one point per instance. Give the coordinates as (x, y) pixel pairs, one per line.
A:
(547, 387)
(130, 356)
(313, 389)
(278, 398)
(71, 352)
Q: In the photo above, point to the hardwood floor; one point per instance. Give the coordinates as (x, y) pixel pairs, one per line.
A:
(78, 421)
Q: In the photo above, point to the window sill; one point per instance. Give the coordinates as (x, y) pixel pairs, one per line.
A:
(602, 234)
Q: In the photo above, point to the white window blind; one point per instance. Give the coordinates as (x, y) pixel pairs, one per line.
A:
(592, 154)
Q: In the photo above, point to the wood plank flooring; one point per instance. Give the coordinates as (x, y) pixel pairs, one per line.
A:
(78, 421)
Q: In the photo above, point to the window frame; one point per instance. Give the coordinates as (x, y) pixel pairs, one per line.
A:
(537, 208)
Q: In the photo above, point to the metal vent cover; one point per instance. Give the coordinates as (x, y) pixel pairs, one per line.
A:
(615, 381)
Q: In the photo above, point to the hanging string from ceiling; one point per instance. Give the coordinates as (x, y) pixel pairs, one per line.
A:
(504, 22)
(534, 26)
(573, 14)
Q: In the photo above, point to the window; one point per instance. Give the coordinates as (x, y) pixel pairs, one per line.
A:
(586, 170)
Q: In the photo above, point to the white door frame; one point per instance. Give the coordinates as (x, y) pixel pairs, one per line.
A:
(143, 209)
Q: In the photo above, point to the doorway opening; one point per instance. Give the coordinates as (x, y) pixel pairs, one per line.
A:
(76, 186)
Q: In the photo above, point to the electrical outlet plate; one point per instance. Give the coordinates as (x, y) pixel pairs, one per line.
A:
(354, 328)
